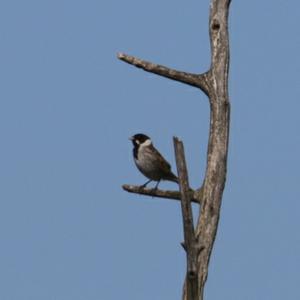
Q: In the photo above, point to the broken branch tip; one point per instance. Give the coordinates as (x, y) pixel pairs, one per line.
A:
(120, 55)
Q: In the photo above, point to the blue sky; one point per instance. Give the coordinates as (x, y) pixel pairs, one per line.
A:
(67, 229)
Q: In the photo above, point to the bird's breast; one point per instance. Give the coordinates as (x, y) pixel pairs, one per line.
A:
(147, 164)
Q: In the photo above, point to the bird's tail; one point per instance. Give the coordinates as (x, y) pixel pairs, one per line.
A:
(173, 178)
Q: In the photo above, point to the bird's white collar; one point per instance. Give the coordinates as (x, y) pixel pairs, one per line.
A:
(146, 143)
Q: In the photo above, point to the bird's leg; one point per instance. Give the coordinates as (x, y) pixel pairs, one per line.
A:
(157, 184)
(145, 184)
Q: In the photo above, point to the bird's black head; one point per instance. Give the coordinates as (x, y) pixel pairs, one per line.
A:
(139, 139)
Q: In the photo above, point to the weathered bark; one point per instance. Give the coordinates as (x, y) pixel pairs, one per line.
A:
(214, 83)
(215, 176)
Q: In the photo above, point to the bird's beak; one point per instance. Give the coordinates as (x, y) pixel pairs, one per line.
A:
(131, 138)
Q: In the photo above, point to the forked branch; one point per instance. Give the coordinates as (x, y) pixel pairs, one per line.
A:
(214, 83)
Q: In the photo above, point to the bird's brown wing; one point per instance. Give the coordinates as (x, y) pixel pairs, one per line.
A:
(163, 166)
(161, 162)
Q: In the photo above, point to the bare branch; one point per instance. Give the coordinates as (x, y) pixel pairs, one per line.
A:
(190, 243)
(197, 80)
(173, 195)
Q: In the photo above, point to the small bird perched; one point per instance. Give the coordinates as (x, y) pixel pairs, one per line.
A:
(149, 161)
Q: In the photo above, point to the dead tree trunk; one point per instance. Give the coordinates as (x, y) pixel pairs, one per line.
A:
(214, 83)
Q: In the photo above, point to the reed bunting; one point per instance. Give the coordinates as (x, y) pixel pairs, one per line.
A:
(149, 161)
